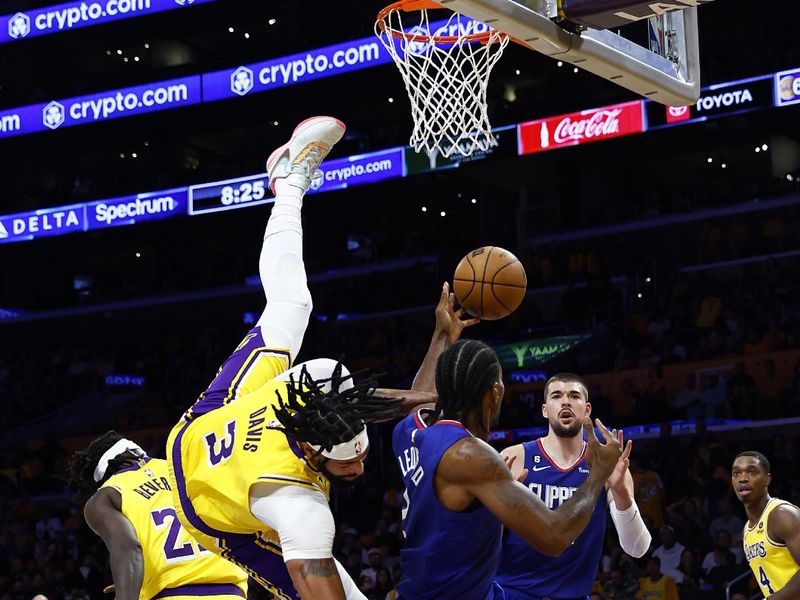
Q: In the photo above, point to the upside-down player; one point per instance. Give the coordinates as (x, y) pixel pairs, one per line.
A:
(557, 467)
(128, 502)
(772, 533)
(251, 462)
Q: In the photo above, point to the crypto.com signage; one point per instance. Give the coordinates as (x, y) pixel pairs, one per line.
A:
(74, 15)
(103, 106)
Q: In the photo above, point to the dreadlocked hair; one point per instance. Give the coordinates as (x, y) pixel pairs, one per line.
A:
(326, 417)
(80, 472)
(464, 372)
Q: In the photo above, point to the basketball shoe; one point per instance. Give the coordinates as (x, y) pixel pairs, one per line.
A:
(298, 159)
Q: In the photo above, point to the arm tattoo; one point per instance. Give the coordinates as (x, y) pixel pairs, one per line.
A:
(318, 567)
(510, 496)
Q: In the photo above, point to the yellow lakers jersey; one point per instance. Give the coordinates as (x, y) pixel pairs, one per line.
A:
(771, 562)
(226, 451)
(172, 559)
(648, 493)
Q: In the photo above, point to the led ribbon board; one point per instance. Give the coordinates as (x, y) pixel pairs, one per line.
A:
(529, 353)
(76, 15)
(716, 101)
(534, 136)
(103, 106)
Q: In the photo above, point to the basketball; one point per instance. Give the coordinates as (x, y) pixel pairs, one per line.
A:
(490, 283)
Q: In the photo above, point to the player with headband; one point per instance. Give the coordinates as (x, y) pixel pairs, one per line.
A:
(253, 459)
(127, 501)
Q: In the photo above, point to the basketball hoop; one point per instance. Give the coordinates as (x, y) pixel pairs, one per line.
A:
(446, 74)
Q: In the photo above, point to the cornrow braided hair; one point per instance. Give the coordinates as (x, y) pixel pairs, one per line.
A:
(326, 418)
(464, 372)
(80, 472)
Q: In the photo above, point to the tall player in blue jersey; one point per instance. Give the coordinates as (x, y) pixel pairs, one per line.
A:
(556, 467)
(459, 491)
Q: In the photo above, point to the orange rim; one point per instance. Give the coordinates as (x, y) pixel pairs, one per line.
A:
(414, 5)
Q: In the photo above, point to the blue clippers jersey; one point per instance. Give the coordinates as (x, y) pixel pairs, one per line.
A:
(403, 444)
(526, 573)
(448, 554)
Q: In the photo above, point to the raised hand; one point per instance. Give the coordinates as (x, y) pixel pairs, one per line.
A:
(510, 460)
(617, 479)
(450, 322)
(602, 457)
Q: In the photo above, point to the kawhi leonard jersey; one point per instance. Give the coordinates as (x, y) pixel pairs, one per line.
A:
(448, 554)
(526, 573)
(771, 562)
(403, 445)
(175, 565)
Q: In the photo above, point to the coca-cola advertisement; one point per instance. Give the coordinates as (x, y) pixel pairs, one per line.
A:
(581, 127)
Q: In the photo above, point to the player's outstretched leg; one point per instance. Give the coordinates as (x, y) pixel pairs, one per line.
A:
(272, 346)
(291, 168)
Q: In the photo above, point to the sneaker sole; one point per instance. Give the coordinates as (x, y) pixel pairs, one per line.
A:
(299, 129)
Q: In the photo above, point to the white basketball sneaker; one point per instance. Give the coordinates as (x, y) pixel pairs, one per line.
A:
(298, 159)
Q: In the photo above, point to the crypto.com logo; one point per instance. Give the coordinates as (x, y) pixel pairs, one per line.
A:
(317, 179)
(241, 81)
(53, 115)
(184, 2)
(19, 26)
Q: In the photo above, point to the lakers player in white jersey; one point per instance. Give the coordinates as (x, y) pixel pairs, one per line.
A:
(772, 533)
(128, 503)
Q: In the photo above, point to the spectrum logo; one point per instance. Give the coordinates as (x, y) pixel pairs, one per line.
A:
(241, 81)
(19, 26)
(53, 115)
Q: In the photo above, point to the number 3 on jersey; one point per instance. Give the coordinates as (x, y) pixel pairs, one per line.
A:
(765, 580)
(172, 551)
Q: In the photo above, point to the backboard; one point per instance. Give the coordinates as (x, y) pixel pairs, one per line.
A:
(578, 32)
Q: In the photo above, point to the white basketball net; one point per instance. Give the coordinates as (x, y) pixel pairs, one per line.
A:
(446, 83)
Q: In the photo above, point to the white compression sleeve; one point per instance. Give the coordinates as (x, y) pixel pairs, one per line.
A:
(351, 591)
(283, 273)
(301, 517)
(304, 524)
(633, 534)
